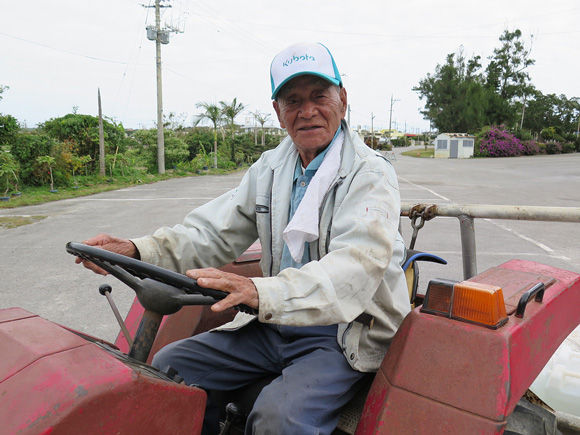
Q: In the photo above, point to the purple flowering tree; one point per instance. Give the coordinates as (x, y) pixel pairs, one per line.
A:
(498, 142)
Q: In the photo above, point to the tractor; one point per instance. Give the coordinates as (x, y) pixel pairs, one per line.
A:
(462, 362)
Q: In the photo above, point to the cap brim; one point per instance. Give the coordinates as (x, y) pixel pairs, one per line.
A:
(332, 80)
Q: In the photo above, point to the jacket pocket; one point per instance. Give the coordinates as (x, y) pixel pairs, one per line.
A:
(263, 213)
(262, 203)
(263, 221)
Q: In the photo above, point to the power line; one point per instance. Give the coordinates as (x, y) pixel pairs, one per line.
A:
(240, 33)
(265, 45)
(64, 51)
(138, 40)
(404, 36)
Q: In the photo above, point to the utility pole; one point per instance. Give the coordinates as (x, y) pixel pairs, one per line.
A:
(101, 139)
(160, 133)
(372, 132)
(391, 116)
(160, 36)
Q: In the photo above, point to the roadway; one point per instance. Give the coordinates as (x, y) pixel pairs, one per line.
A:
(38, 275)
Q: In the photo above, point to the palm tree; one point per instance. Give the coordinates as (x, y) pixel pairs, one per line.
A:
(229, 112)
(214, 114)
(261, 118)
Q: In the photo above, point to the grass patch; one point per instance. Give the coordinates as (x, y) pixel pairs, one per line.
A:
(7, 222)
(93, 184)
(422, 153)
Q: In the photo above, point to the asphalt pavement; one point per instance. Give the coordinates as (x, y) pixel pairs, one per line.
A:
(38, 275)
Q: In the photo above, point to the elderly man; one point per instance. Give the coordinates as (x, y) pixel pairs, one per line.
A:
(325, 208)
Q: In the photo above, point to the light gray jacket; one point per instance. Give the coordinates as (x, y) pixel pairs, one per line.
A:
(356, 267)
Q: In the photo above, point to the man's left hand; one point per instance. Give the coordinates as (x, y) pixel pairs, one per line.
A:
(241, 289)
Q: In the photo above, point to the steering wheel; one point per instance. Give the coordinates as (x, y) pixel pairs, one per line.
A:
(134, 272)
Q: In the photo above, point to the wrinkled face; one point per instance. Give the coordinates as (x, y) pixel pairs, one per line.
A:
(310, 109)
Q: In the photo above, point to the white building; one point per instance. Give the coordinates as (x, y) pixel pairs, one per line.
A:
(454, 146)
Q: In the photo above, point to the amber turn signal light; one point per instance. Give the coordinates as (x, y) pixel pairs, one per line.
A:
(472, 302)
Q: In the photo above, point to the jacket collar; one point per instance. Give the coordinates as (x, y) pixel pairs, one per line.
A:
(287, 150)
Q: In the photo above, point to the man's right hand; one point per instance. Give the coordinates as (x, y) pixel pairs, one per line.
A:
(109, 243)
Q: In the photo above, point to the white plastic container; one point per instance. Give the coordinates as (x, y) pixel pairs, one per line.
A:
(558, 384)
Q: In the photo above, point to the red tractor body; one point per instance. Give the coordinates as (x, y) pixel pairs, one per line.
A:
(446, 376)
(440, 375)
(53, 381)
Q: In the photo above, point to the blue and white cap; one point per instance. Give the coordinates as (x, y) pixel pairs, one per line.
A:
(305, 58)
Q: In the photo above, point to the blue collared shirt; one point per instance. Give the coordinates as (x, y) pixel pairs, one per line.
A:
(301, 182)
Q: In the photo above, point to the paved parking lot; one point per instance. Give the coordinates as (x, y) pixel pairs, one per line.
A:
(38, 275)
(552, 181)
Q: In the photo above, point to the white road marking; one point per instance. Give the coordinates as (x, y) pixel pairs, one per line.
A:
(137, 199)
(528, 239)
(426, 200)
(495, 253)
(503, 227)
(139, 190)
(424, 188)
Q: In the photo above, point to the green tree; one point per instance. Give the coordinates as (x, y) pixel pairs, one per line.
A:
(176, 150)
(455, 99)
(49, 162)
(575, 106)
(199, 140)
(460, 97)
(2, 90)
(507, 70)
(8, 170)
(213, 114)
(83, 130)
(551, 110)
(78, 163)
(26, 148)
(508, 77)
(8, 128)
(245, 142)
(229, 112)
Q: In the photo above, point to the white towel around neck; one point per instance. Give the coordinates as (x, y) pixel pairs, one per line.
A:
(304, 224)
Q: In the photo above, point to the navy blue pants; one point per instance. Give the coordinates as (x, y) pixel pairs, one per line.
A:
(315, 381)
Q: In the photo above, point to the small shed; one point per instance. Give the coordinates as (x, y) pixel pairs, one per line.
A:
(454, 146)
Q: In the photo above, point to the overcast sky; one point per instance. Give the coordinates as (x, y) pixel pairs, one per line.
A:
(54, 55)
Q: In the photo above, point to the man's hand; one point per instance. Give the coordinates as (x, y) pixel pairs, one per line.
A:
(109, 243)
(241, 289)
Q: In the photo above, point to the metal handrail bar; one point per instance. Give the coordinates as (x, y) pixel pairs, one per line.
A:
(513, 212)
(467, 213)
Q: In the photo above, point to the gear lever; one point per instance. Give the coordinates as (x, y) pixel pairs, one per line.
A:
(105, 290)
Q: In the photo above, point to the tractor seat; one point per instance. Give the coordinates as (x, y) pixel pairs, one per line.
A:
(244, 399)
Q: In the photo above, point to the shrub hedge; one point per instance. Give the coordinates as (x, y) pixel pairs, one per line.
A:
(499, 142)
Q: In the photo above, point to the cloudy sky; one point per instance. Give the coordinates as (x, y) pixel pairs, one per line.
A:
(54, 55)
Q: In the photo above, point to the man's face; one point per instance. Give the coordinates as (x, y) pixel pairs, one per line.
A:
(310, 109)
